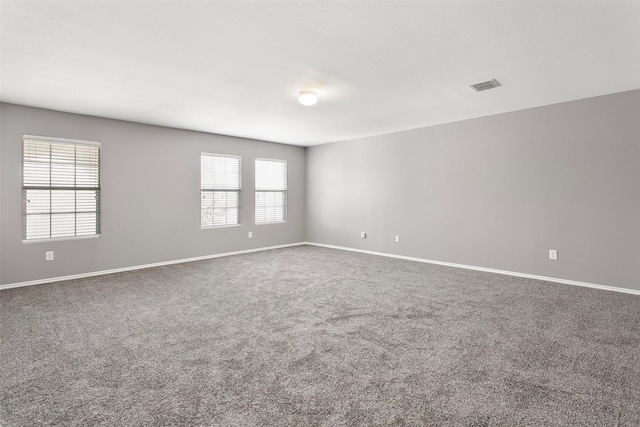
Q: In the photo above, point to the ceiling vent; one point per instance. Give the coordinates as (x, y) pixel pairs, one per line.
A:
(491, 84)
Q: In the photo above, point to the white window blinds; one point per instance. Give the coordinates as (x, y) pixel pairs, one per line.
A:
(220, 190)
(61, 188)
(271, 191)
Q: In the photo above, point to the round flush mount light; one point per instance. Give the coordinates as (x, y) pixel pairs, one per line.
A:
(307, 97)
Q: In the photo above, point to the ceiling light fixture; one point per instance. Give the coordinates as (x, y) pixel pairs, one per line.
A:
(307, 97)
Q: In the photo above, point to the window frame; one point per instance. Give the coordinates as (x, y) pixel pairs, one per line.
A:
(214, 190)
(75, 188)
(284, 191)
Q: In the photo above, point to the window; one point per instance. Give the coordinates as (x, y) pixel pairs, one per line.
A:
(220, 190)
(271, 191)
(60, 188)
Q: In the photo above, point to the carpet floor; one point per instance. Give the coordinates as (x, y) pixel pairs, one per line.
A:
(309, 336)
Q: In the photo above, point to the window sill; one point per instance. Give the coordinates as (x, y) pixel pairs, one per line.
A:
(61, 239)
(217, 227)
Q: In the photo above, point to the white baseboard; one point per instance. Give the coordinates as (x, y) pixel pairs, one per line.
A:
(488, 270)
(429, 261)
(140, 267)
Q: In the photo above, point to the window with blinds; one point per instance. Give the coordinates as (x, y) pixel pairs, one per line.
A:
(271, 191)
(220, 190)
(61, 188)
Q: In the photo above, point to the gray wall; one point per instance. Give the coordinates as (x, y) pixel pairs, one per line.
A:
(1, 181)
(150, 180)
(495, 192)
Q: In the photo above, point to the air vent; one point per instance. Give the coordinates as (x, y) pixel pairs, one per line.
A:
(479, 87)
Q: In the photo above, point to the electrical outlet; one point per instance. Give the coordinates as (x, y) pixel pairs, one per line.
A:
(397, 238)
(48, 256)
(251, 234)
(363, 234)
(553, 254)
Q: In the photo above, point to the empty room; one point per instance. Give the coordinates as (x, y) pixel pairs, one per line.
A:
(320, 213)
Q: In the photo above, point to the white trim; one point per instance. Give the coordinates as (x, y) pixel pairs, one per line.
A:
(488, 270)
(140, 267)
(224, 254)
(61, 239)
(271, 160)
(52, 139)
(218, 227)
(233, 156)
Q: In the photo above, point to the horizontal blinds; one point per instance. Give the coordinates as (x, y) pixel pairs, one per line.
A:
(271, 206)
(61, 188)
(271, 191)
(220, 187)
(271, 175)
(220, 172)
(60, 164)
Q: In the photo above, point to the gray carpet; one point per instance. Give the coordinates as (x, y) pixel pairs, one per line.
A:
(308, 336)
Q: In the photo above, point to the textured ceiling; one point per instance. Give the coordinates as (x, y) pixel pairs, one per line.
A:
(235, 68)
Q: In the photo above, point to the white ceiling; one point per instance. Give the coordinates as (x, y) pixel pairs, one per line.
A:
(235, 68)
